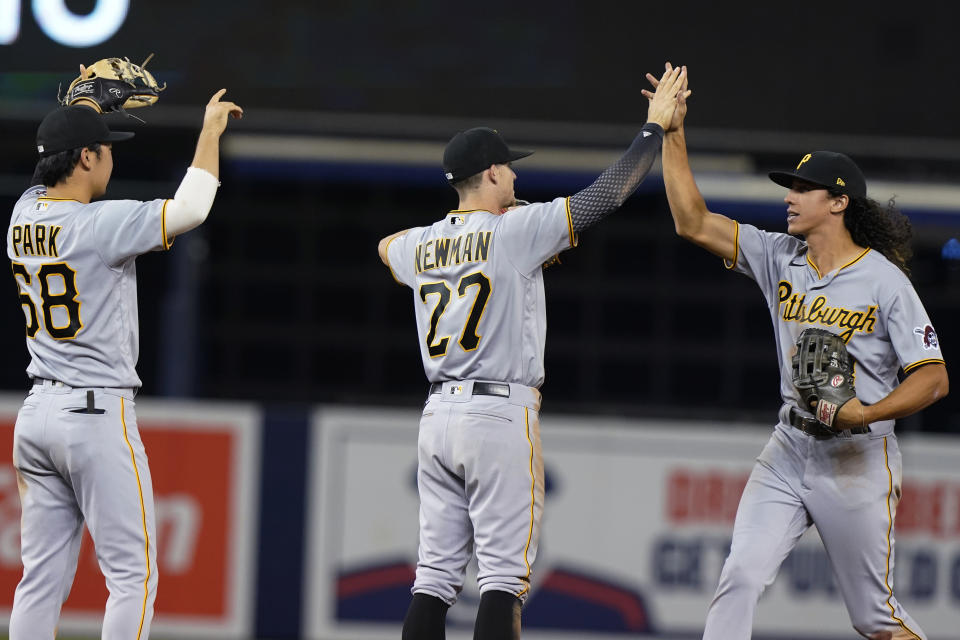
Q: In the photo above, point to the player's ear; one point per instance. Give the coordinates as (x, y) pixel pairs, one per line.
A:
(493, 172)
(86, 158)
(839, 204)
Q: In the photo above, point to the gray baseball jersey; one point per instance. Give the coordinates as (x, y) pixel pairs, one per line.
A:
(478, 290)
(848, 486)
(76, 447)
(74, 265)
(869, 302)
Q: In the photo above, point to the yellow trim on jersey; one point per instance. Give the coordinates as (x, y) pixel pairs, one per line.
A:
(736, 246)
(855, 260)
(815, 268)
(468, 211)
(533, 485)
(58, 199)
(143, 516)
(163, 226)
(386, 252)
(920, 363)
(886, 579)
(573, 236)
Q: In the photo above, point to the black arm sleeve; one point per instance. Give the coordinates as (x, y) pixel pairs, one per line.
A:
(608, 192)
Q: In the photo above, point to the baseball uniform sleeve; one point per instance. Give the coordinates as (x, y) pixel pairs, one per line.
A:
(761, 255)
(400, 257)
(127, 228)
(534, 233)
(911, 332)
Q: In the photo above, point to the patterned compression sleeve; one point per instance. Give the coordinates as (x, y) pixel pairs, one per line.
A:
(608, 192)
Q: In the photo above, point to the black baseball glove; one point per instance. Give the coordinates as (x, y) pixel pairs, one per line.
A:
(114, 84)
(823, 374)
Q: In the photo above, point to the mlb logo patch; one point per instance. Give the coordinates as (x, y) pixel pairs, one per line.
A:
(456, 389)
(458, 221)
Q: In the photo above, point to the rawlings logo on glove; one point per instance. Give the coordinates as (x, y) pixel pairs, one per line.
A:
(114, 84)
(823, 374)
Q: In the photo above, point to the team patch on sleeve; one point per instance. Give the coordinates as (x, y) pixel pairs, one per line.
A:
(928, 337)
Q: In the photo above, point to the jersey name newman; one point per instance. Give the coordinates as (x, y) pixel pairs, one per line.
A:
(793, 307)
(473, 246)
(35, 240)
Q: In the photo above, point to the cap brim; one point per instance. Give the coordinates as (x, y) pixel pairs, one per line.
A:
(117, 136)
(516, 154)
(785, 179)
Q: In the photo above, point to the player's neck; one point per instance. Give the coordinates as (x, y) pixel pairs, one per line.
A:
(830, 250)
(476, 201)
(71, 190)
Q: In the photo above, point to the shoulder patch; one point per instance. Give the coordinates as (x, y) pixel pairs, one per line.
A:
(928, 337)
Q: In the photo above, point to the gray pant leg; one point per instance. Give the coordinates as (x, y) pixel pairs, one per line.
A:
(854, 502)
(769, 522)
(501, 449)
(446, 533)
(51, 529)
(116, 496)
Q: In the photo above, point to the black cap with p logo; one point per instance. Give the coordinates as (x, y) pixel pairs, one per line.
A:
(827, 169)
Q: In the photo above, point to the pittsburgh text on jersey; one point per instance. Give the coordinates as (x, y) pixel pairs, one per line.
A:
(473, 246)
(794, 308)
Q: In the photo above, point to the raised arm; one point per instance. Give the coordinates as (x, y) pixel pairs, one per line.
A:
(714, 232)
(609, 191)
(191, 204)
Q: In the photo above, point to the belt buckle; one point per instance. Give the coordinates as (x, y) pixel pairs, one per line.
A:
(809, 426)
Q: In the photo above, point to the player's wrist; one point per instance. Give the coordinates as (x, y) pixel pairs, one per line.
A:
(655, 126)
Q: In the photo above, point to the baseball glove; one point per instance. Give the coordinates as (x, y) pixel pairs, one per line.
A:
(114, 84)
(823, 374)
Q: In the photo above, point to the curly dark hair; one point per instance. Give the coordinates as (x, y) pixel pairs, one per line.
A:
(882, 228)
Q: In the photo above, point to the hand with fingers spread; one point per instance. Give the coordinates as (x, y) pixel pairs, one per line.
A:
(680, 107)
(216, 113)
(663, 101)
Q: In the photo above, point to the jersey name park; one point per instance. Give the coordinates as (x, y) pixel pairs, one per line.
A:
(35, 240)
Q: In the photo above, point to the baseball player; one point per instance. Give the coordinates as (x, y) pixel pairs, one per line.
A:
(841, 267)
(478, 298)
(77, 452)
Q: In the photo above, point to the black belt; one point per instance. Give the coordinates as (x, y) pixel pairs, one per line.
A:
(51, 381)
(817, 429)
(501, 389)
(34, 381)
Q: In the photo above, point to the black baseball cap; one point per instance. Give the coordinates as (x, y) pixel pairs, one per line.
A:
(471, 151)
(73, 127)
(827, 169)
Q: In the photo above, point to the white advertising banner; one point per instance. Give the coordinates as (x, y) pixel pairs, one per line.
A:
(637, 524)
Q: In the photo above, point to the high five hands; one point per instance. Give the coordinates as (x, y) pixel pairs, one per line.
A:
(669, 107)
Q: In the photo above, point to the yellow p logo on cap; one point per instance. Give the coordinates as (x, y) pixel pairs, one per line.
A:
(804, 159)
(841, 182)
